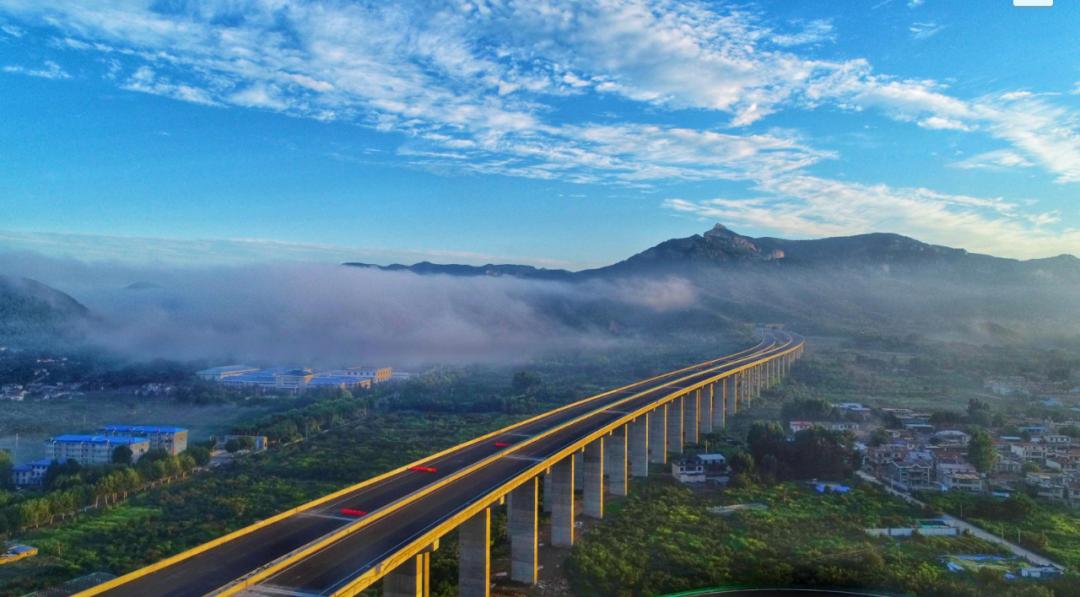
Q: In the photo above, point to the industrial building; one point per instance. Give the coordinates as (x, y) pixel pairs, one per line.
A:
(220, 373)
(94, 449)
(171, 439)
(294, 379)
(30, 474)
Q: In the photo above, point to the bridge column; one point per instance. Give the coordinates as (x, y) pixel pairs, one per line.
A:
(562, 503)
(549, 495)
(675, 426)
(707, 406)
(691, 410)
(594, 480)
(579, 469)
(639, 445)
(658, 422)
(720, 404)
(523, 524)
(733, 395)
(409, 579)
(474, 555)
(615, 463)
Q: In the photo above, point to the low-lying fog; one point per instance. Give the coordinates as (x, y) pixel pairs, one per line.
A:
(334, 315)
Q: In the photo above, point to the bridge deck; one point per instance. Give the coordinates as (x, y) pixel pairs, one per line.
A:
(346, 559)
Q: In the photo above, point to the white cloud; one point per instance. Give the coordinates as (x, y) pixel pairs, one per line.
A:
(946, 124)
(12, 30)
(50, 70)
(924, 30)
(998, 159)
(145, 80)
(813, 32)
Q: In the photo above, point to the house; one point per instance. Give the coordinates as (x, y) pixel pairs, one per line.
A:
(913, 472)
(1048, 486)
(839, 426)
(1039, 571)
(857, 410)
(94, 449)
(1008, 465)
(171, 439)
(1029, 451)
(951, 437)
(688, 471)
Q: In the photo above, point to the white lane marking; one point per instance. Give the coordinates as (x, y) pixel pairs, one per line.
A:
(330, 516)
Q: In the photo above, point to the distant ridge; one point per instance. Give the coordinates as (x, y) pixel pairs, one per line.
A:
(28, 306)
(721, 247)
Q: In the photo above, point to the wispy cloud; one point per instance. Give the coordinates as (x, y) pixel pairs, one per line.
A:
(224, 251)
(49, 70)
(924, 30)
(998, 159)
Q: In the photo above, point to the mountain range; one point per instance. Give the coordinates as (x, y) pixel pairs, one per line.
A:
(721, 247)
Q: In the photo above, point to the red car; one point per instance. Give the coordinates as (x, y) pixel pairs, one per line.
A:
(423, 469)
(501, 445)
(353, 512)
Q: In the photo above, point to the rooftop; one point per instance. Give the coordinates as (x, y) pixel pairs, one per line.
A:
(73, 438)
(144, 428)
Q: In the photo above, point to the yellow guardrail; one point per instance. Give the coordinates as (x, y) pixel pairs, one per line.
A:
(402, 555)
(165, 563)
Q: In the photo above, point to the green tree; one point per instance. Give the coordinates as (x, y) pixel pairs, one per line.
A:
(981, 453)
(199, 454)
(5, 470)
(122, 454)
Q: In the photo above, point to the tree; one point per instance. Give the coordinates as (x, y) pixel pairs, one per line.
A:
(525, 382)
(5, 470)
(199, 454)
(122, 454)
(981, 453)
(979, 412)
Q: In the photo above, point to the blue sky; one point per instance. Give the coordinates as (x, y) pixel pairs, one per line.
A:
(558, 134)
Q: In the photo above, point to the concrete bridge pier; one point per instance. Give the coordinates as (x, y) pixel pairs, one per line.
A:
(548, 492)
(562, 503)
(691, 416)
(523, 525)
(707, 407)
(579, 470)
(409, 579)
(639, 445)
(474, 555)
(615, 461)
(675, 426)
(593, 494)
(733, 396)
(658, 424)
(719, 414)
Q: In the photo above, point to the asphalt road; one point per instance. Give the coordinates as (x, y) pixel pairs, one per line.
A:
(342, 561)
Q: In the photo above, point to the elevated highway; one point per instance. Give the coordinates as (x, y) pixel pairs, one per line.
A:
(599, 443)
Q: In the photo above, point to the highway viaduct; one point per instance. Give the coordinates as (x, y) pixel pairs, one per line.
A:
(598, 445)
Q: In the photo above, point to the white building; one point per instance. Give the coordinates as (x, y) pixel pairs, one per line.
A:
(94, 449)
